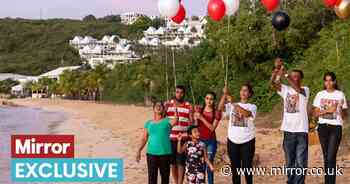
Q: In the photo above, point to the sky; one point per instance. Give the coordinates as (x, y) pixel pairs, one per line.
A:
(77, 9)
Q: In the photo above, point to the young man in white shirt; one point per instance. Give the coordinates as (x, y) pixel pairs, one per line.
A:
(295, 124)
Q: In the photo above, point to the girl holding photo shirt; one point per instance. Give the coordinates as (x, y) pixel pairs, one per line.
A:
(241, 132)
(330, 108)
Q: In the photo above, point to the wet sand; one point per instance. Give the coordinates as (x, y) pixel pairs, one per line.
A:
(106, 130)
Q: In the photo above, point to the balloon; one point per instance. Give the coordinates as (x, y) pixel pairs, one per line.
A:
(280, 20)
(231, 6)
(216, 9)
(168, 8)
(331, 3)
(181, 14)
(270, 5)
(343, 9)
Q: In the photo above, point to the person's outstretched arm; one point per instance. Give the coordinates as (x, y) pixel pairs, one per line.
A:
(180, 149)
(344, 109)
(207, 161)
(223, 99)
(142, 145)
(206, 123)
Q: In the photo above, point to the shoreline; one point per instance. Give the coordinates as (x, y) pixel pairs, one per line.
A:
(111, 130)
(23, 120)
(95, 135)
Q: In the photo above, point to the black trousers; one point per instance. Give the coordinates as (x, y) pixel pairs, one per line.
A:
(241, 157)
(330, 137)
(161, 163)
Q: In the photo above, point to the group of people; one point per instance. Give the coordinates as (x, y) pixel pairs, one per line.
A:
(181, 139)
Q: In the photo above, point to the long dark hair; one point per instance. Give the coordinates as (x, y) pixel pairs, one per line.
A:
(214, 108)
(334, 79)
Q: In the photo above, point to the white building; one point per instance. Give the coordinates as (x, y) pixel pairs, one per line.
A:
(19, 90)
(118, 55)
(130, 17)
(110, 50)
(152, 17)
(55, 74)
(187, 34)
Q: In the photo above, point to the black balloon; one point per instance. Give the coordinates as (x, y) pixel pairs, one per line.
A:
(280, 20)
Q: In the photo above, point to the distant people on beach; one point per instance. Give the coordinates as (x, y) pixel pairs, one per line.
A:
(241, 132)
(330, 109)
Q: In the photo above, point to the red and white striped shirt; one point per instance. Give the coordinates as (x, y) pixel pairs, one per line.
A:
(184, 112)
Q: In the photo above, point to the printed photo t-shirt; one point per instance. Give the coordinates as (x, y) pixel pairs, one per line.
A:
(325, 100)
(240, 129)
(295, 117)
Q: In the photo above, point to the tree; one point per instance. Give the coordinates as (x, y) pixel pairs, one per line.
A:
(6, 85)
(89, 18)
(112, 18)
(158, 22)
(139, 26)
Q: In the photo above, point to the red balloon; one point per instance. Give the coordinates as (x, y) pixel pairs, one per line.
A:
(216, 9)
(270, 5)
(331, 3)
(180, 16)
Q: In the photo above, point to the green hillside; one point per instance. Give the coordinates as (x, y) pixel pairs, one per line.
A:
(36, 46)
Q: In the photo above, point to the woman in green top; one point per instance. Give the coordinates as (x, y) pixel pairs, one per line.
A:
(156, 136)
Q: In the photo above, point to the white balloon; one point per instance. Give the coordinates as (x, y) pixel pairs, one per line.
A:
(168, 8)
(231, 6)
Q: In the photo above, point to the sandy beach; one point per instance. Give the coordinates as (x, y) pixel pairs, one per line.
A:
(108, 130)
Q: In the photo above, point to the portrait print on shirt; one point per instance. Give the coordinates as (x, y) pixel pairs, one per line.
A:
(292, 103)
(326, 104)
(238, 120)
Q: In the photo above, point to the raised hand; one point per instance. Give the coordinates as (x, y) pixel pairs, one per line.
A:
(225, 90)
(278, 63)
(197, 115)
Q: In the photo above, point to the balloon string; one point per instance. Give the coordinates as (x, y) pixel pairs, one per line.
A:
(194, 100)
(174, 67)
(337, 49)
(227, 48)
(166, 73)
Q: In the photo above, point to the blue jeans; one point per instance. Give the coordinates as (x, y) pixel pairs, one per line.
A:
(212, 145)
(295, 146)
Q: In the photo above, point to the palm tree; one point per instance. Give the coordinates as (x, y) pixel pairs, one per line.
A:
(66, 83)
(44, 84)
